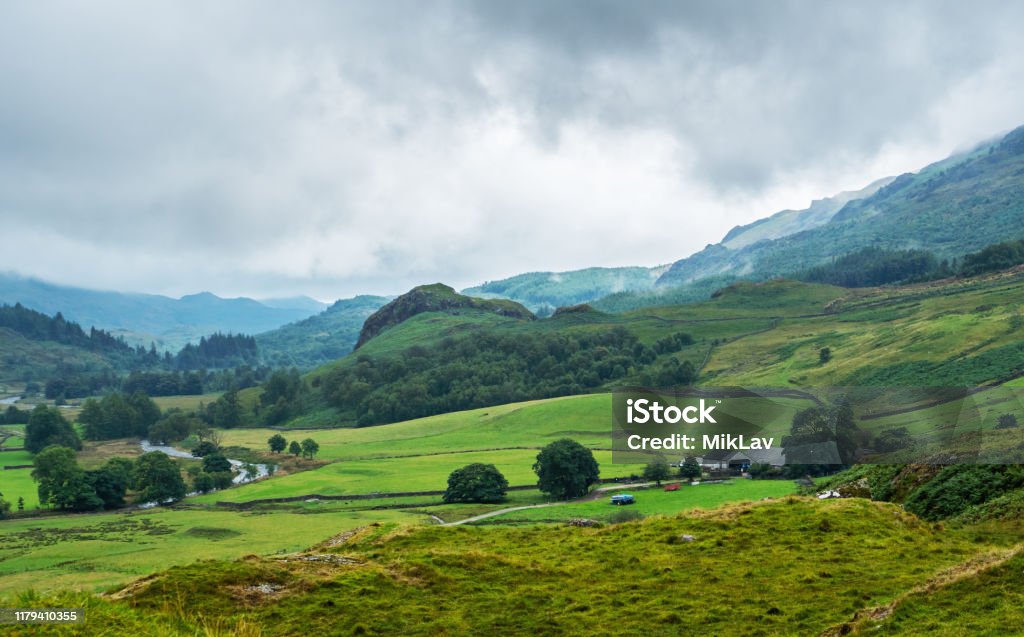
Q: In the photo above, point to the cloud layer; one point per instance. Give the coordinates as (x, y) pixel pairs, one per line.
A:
(337, 148)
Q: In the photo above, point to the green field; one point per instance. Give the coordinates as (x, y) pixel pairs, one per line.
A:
(186, 403)
(654, 501)
(586, 419)
(419, 455)
(15, 483)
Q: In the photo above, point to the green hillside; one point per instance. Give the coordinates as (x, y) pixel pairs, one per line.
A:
(980, 191)
(961, 331)
(434, 298)
(320, 338)
(26, 360)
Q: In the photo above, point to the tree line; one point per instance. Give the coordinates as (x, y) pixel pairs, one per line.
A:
(485, 369)
(873, 266)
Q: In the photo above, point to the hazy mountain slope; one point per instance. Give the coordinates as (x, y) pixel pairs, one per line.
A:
(143, 318)
(320, 338)
(790, 222)
(951, 207)
(296, 303)
(545, 291)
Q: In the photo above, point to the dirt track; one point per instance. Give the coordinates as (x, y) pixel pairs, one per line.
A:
(593, 495)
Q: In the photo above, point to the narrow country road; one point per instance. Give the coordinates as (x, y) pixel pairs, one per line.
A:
(593, 495)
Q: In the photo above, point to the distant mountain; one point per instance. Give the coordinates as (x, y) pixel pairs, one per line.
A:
(318, 339)
(296, 303)
(543, 292)
(949, 208)
(145, 318)
(789, 222)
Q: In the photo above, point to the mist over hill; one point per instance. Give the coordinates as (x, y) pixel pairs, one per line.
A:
(144, 318)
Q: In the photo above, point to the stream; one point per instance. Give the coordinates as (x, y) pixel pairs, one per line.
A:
(242, 477)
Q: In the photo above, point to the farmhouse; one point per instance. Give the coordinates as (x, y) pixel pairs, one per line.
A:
(722, 459)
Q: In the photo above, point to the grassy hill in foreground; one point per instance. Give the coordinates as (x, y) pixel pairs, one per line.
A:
(778, 568)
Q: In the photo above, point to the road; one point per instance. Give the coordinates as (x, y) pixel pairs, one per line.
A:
(593, 495)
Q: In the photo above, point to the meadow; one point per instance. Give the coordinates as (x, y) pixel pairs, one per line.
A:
(791, 561)
(419, 455)
(97, 551)
(653, 501)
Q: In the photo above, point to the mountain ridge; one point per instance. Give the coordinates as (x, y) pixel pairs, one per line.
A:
(145, 318)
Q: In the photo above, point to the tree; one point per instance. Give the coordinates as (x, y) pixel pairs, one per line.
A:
(295, 448)
(222, 479)
(226, 412)
(277, 443)
(91, 419)
(309, 448)
(148, 412)
(690, 470)
(656, 472)
(824, 355)
(47, 426)
(157, 478)
(203, 482)
(215, 463)
(208, 434)
(565, 469)
(476, 482)
(5, 506)
(173, 427)
(826, 424)
(21, 503)
(110, 483)
(204, 449)
(62, 483)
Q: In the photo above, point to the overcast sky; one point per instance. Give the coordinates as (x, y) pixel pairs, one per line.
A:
(335, 148)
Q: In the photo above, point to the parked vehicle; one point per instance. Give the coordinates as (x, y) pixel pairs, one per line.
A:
(623, 498)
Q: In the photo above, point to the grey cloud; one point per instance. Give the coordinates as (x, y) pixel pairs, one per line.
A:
(335, 148)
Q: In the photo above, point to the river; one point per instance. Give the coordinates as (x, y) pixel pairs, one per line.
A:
(242, 477)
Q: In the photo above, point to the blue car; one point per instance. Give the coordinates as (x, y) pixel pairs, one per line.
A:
(623, 498)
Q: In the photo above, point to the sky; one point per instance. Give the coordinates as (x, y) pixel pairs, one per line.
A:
(273, 149)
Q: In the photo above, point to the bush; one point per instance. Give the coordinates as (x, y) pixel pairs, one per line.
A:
(893, 440)
(957, 487)
(1007, 421)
